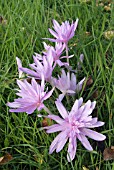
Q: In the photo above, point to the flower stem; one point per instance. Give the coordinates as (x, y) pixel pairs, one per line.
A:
(67, 98)
(67, 53)
(56, 92)
(47, 110)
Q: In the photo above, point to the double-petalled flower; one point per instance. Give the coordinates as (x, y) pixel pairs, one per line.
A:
(56, 52)
(67, 84)
(39, 68)
(74, 125)
(31, 97)
(63, 33)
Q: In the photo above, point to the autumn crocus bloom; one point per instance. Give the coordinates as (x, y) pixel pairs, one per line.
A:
(39, 68)
(63, 33)
(31, 97)
(56, 53)
(67, 84)
(74, 125)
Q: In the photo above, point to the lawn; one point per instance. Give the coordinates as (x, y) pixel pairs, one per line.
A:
(24, 24)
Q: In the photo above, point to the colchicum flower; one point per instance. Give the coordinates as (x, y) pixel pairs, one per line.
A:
(44, 67)
(67, 84)
(80, 61)
(74, 125)
(56, 53)
(78, 64)
(63, 33)
(32, 97)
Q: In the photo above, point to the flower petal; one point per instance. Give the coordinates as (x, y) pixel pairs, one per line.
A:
(92, 134)
(53, 33)
(85, 142)
(61, 144)
(61, 109)
(76, 106)
(71, 149)
(48, 94)
(56, 118)
(54, 144)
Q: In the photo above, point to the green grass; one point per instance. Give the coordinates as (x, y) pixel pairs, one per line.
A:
(28, 22)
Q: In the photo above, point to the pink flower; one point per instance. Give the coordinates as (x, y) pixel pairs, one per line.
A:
(56, 53)
(41, 68)
(63, 33)
(74, 125)
(32, 97)
(78, 64)
(67, 84)
(80, 61)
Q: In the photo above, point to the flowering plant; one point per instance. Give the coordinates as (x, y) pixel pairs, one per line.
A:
(72, 125)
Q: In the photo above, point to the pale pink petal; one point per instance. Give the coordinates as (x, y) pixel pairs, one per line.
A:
(97, 124)
(30, 72)
(56, 118)
(72, 149)
(61, 109)
(61, 96)
(76, 106)
(55, 142)
(75, 24)
(85, 142)
(53, 33)
(48, 94)
(55, 128)
(19, 64)
(80, 84)
(93, 104)
(61, 144)
(94, 135)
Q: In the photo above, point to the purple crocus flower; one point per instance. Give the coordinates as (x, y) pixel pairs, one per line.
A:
(56, 53)
(63, 33)
(38, 56)
(67, 84)
(32, 97)
(44, 67)
(78, 64)
(80, 61)
(74, 125)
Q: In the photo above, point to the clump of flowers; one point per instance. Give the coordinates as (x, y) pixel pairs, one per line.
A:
(74, 125)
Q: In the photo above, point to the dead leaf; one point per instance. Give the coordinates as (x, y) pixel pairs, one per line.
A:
(84, 168)
(95, 94)
(38, 159)
(110, 115)
(97, 168)
(109, 34)
(45, 122)
(84, 1)
(6, 158)
(107, 8)
(108, 153)
(89, 81)
(3, 21)
(1, 158)
(87, 33)
(101, 4)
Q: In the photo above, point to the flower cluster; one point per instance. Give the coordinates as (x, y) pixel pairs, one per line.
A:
(74, 125)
